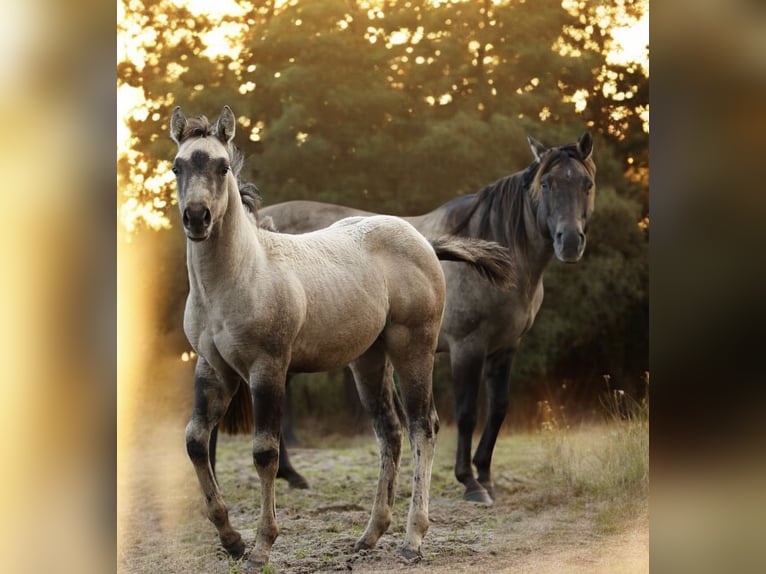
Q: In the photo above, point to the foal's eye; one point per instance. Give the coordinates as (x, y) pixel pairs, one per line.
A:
(225, 170)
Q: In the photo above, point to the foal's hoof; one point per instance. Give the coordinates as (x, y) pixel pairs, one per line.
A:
(409, 554)
(236, 548)
(479, 496)
(253, 566)
(361, 545)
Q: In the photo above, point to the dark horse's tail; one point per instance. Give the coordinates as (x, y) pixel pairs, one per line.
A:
(491, 260)
(238, 418)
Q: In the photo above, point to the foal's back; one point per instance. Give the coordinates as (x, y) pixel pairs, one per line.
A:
(351, 282)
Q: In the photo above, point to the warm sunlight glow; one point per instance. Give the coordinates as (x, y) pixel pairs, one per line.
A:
(631, 44)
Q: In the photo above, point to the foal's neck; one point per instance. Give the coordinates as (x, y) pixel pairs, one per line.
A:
(228, 253)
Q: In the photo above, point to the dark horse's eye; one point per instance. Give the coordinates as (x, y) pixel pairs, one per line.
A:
(176, 170)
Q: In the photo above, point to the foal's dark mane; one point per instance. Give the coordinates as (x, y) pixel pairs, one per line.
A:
(499, 206)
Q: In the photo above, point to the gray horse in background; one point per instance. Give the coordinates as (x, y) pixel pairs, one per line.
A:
(537, 212)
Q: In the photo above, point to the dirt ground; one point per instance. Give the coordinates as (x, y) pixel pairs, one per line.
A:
(533, 526)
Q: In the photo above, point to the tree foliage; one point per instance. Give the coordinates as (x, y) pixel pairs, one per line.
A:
(399, 105)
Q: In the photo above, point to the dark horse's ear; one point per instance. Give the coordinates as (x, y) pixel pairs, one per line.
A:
(225, 125)
(585, 145)
(177, 125)
(537, 148)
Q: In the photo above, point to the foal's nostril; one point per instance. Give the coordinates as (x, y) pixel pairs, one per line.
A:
(197, 217)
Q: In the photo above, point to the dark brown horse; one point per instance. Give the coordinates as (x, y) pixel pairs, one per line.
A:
(537, 212)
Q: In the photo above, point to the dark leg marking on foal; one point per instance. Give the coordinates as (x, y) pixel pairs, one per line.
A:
(265, 457)
(197, 451)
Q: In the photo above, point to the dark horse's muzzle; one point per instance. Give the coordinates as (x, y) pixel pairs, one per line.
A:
(196, 220)
(569, 244)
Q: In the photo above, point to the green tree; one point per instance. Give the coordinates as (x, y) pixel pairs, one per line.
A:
(400, 105)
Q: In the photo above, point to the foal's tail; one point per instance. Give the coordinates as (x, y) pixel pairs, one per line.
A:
(238, 418)
(491, 260)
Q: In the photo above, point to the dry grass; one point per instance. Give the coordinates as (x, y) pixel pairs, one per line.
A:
(607, 463)
(567, 500)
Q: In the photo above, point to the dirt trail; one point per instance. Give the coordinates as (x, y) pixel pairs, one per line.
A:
(531, 528)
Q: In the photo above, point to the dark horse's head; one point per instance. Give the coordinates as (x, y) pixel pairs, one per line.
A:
(564, 186)
(206, 164)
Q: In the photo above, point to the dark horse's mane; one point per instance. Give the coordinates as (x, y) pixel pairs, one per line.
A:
(499, 206)
(201, 127)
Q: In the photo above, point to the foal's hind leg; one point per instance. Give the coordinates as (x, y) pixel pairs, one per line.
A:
(498, 372)
(412, 354)
(373, 375)
(211, 398)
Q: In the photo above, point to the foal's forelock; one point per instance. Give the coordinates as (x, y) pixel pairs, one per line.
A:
(200, 127)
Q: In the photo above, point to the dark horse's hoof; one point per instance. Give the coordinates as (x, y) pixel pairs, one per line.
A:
(490, 488)
(294, 479)
(297, 481)
(479, 496)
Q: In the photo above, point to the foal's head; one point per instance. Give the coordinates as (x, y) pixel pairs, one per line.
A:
(205, 165)
(565, 189)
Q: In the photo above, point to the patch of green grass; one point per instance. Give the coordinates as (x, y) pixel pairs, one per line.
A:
(328, 558)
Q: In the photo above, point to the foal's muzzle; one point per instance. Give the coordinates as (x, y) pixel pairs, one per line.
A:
(196, 220)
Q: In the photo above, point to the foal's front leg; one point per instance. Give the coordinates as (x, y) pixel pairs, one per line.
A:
(211, 399)
(267, 387)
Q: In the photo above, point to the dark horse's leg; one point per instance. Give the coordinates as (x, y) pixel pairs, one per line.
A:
(288, 428)
(211, 399)
(286, 470)
(498, 373)
(467, 367)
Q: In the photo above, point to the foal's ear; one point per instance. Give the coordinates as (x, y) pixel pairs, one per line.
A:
(537, 148)
(585, 145)
(225, 125)
(177, 125)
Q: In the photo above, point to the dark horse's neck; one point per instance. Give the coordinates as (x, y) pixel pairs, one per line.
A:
(506, 212)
